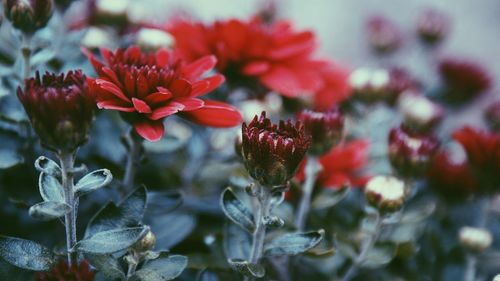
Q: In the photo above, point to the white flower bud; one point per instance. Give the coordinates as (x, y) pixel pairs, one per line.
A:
(369, 83)
(419, 112)
(475, 239)
(96, 37)
(152, 38)
(385, 193)
(496, 278)
(112, 7)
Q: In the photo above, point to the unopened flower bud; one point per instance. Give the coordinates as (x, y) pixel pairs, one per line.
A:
(432, 26)
(383, 35)
(28, 15)
(369, 84)
(272, 152)
(492, 116)
(420, 113)
(96, 38)
(60, 108)
(411, 153)
(153, 39)
(325, 129)
(475, 239)
(386, 193)
(146, 243)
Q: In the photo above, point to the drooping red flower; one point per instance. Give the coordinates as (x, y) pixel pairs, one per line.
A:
(148, 87)
(60, 108)
(274, 54)
(325, 129)
(271, 152)
(62, 272)
(342, 166)
(483, 154)
(335, 88)
(453, 179)
(411, 153)
(463, 79)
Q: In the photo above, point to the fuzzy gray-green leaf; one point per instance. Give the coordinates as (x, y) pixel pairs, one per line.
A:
(49, 210)
(161, 269)
(25, 254)
(290, 244)
(111, 241)
(93, 181)
(236, 211)
(50, 188)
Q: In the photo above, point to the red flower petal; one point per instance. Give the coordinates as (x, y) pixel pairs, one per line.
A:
(180, 87)
(95, 63)
(200, 66)
(111, 88)
(162, 57)
(141, 106)
(256, 68)
(149, 129)
(214, 114)
(164, 111)
(207, 85)
(190, 103)
(110, 104)
(158, 97)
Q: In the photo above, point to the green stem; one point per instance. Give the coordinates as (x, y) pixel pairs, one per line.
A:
(312, 170)
(366, 247)
(133, 156)
(26, 52)
(67, 163)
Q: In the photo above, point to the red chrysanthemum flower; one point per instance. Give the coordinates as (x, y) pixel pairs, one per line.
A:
(147, 87)
(62, 272)
(60, 108)
(272, 152)
(463, 79)
(449, 178)
(275, 54)
(483, 154)
(335, 88)
(342, 166)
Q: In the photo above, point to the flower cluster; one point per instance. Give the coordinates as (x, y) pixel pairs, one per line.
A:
(147, 87)
(60, 108)
(271, 152)
(275, 54)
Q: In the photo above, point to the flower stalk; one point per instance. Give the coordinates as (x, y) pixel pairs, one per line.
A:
(366, 246)
(313, 167)
(262, 204)
(133, 158)
(26, 52)
(67, 169)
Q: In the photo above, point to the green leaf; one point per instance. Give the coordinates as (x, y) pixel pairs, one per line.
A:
(163, 202)
(172, 228)
(290, 244)
(246, 268)
(49, 210)
(93, 181)
(48, 166)
(379, 255)
(9, 158)
(237, 242)
(328, 198)
(25, 254)
(161, 269)
(112, 241)
(107, 265)
(236, 211)
(50, 188)
(129, 213)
